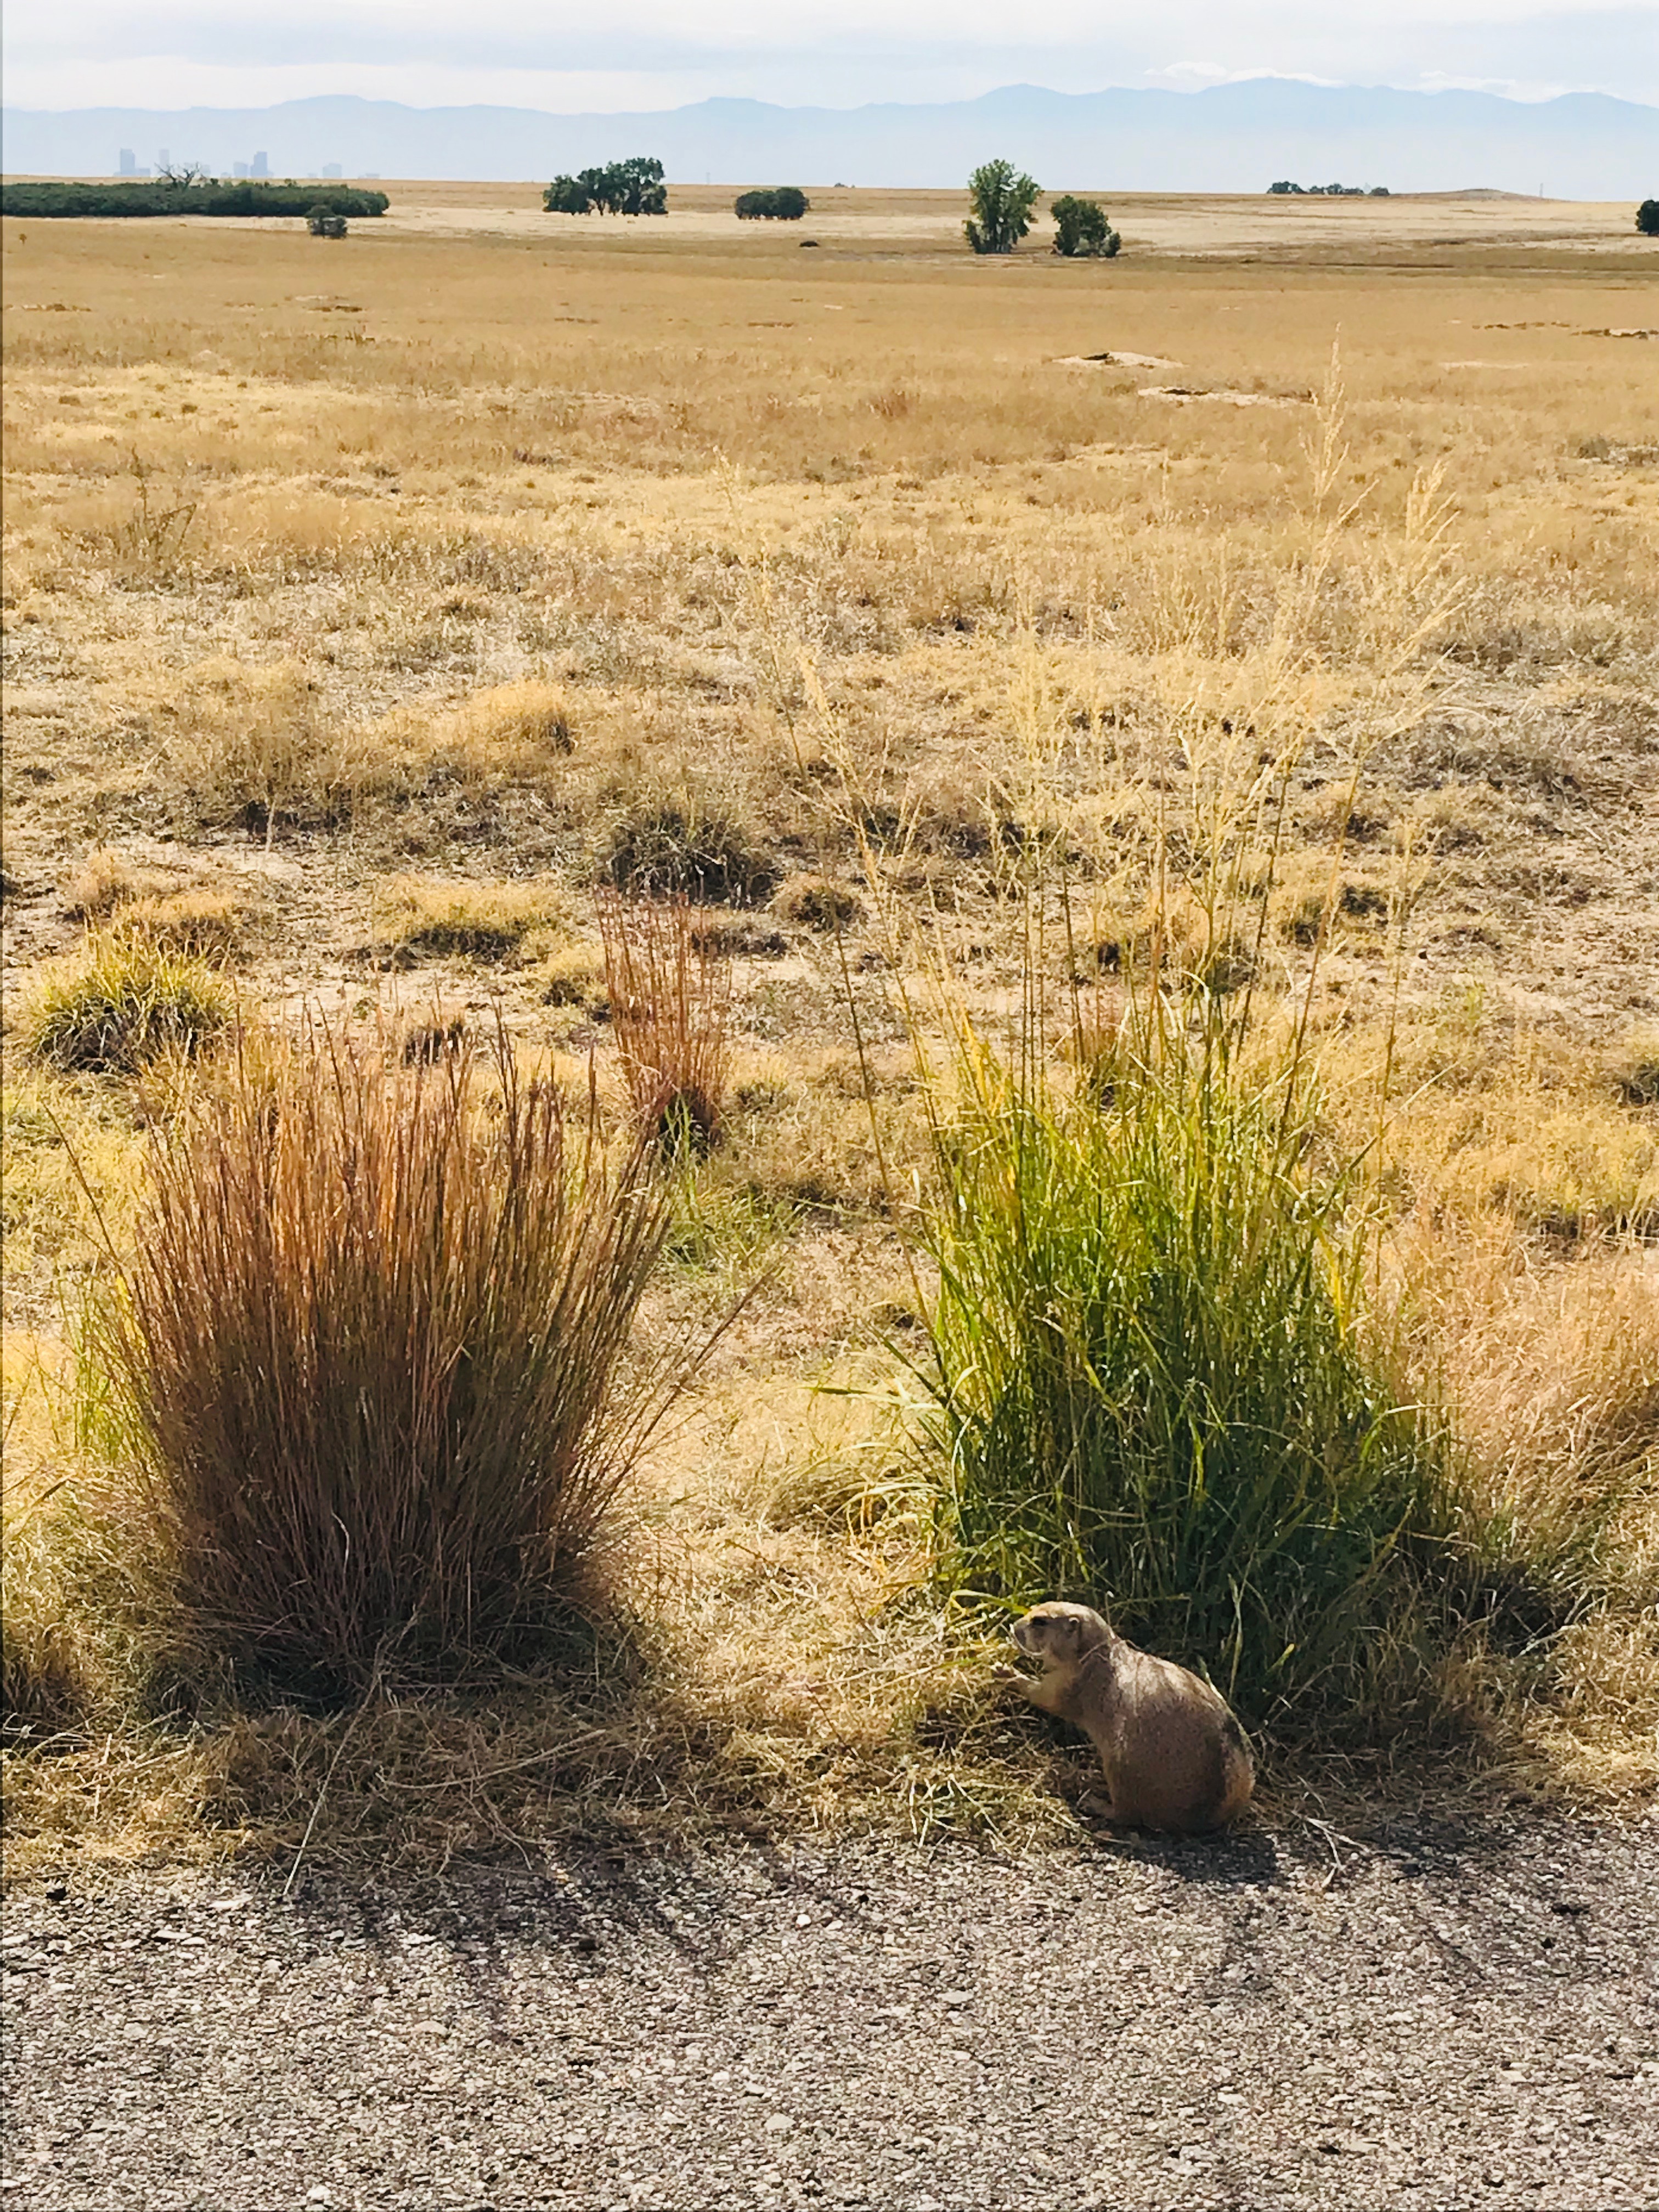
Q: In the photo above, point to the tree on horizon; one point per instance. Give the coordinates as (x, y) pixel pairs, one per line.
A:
(1002, 198)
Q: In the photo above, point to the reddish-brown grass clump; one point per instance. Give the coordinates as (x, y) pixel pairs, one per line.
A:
(369, 1354)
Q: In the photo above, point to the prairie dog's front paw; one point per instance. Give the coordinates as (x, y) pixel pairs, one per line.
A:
(1005, 1674)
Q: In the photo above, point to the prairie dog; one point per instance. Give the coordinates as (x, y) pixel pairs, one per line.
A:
(1173, 1755)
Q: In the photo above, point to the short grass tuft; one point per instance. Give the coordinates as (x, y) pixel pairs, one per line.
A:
(480, 921)
(124, 999)
(699, 852)
(818, 902)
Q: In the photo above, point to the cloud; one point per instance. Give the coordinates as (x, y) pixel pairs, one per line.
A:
(553, 54)
(1207, 73)
(166, 83)
(1506, 88)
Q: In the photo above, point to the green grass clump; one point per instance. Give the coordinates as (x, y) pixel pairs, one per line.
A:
(1153, 1390)
(123, 1000)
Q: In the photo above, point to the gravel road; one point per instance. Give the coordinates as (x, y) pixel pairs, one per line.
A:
(1273, 2021)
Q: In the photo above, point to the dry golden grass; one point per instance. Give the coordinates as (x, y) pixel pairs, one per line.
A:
(483, 921)
(423, 604)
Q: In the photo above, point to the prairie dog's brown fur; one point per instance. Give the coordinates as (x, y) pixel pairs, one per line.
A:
(1173, 1755)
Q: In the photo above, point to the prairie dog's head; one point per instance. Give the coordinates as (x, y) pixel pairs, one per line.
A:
(1060, 1635)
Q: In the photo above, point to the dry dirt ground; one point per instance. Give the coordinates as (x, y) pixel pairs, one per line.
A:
(1278, 229)
(1423, 2021)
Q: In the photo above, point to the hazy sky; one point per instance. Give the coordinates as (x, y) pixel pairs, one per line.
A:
(556, 55)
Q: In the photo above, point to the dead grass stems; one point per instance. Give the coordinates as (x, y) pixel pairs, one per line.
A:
(668, 983)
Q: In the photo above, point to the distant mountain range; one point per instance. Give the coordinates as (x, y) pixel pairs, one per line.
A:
(1231, 138)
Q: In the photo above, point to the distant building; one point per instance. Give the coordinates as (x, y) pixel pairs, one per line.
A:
(331, 169)
(126, 162)
(162, 157)
(261, 166)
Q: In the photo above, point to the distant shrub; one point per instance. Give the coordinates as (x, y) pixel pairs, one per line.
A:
(122, 1001)
(201, 196)
(1081, 229)
(778, 203)
(323, 222)
(1331, 191)
(1647, 218)
(1002, 198)
(634, 186)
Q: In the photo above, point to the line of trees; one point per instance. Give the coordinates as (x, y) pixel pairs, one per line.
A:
(200, 196)
(1330, 192)
(775, 204)
(632, 187)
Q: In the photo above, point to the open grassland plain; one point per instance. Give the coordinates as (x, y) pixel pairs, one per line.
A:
(1040, 680)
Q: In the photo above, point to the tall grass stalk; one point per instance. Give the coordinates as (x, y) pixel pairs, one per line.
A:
(668, 979)
(369, 1359)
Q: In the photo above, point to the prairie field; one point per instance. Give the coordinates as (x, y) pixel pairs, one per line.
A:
(1012, 664)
